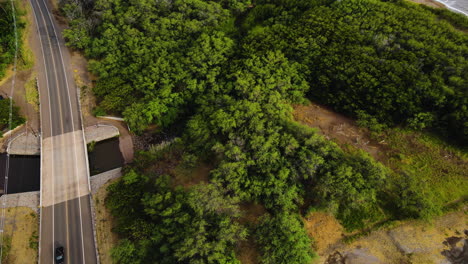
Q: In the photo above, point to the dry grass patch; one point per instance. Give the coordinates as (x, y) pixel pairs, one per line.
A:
(325, 231)
(412, 241)
(21, 226)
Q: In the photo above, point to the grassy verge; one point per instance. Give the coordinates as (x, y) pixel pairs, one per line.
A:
(32, 94)
(26, 56)
(106, 239)
(6, 247)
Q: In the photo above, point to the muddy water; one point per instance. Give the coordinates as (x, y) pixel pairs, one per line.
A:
(105, 156)
(24, 173)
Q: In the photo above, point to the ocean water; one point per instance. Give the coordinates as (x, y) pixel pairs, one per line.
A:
(460, 6)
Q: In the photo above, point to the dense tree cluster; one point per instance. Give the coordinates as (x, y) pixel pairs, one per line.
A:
(7, 37)
(230, 71)
(169, 225)
(393, 61)
(16, 118)
(296, 246)
(154, 57)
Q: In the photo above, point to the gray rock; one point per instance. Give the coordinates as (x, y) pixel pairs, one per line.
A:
(360, 256)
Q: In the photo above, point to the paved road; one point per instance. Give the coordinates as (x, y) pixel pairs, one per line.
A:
(66, 218)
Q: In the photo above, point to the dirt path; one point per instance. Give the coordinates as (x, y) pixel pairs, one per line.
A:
(339, 128)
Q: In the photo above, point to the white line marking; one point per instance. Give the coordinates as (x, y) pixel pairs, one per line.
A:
(73, 126)
(50, 124)
(62, 116)
(451, 7)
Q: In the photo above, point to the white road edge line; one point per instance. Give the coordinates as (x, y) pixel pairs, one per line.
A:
(62, 116)
(73, 126)
(52, 142)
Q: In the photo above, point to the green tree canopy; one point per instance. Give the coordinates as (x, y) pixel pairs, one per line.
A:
(288, 244)
(167, 225)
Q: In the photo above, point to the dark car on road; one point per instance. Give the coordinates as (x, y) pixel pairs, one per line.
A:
(59, 255)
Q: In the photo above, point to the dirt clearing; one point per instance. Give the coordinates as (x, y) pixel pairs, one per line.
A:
(338, 128)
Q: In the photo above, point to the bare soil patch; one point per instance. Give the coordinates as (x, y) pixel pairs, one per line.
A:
(21, 225)
(247, 252)
(339, 128)
(251, 212)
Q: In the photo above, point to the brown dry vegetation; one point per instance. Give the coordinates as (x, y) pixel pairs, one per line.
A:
(424, 239)
(21, 223)
(247, 252)
(325, 231)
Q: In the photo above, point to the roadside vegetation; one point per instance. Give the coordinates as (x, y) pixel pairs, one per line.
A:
(226, 73)
(17, 119)
(6, 247)
(7, 54)
(32, 93)
(7, 39)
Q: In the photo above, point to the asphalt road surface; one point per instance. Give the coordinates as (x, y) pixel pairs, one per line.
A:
(66, 218)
